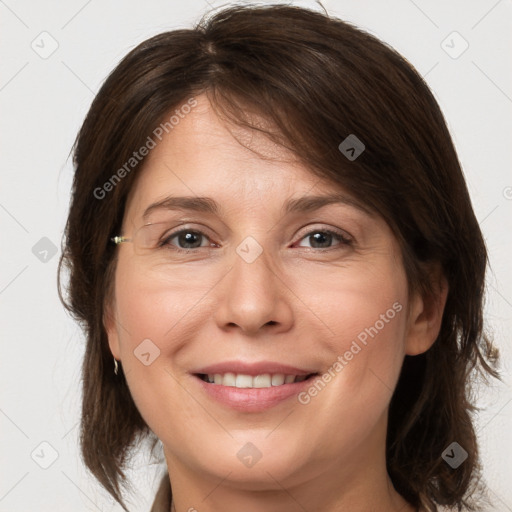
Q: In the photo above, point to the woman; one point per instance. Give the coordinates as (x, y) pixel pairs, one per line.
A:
(274, 255)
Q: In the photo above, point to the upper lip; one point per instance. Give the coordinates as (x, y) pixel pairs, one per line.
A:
(257, 368)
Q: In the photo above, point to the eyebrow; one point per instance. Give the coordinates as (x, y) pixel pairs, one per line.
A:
(304, 204)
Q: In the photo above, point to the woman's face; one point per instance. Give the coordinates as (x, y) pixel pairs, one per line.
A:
(274, 287)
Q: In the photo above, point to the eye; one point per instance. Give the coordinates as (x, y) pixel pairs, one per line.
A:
(187, 239)
(322, 238)
(190, 239)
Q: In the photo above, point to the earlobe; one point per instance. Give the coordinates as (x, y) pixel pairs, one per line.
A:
(425, 317)
(110, 327)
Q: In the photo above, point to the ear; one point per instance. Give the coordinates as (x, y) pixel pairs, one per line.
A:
(426, 315)
(110, 324)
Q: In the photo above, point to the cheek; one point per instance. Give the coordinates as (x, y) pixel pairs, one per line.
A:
(365, 313)
(157, 318)
(145, 317)
(358, 305)
(155, 304)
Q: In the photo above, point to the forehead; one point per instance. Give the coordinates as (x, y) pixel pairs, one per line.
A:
(241, 168)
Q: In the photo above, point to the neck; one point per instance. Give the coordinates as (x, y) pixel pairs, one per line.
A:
(393, 503)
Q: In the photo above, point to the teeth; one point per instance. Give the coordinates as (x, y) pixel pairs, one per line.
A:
(241, 380)
(262, 381)
(277, 379)
(229, 379)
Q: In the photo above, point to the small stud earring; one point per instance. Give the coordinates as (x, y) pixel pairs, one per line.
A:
(116, 366)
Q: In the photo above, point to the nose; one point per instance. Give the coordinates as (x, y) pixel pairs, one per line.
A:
(254, 297)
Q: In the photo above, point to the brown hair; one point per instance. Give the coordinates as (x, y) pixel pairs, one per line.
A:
(317, 79)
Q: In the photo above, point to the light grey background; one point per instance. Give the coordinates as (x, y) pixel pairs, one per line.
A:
(43, 100)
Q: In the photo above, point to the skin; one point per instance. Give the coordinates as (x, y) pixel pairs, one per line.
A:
(297, 303)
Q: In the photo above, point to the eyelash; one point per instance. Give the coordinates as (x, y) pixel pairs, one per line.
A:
(342, 238)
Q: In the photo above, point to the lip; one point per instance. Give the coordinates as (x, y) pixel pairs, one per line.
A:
(253, 369)
(252, 399)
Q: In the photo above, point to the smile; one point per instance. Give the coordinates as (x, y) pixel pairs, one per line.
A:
(240, 380)
(252, 387)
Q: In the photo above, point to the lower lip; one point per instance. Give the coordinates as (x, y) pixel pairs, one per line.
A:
(252, 399)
